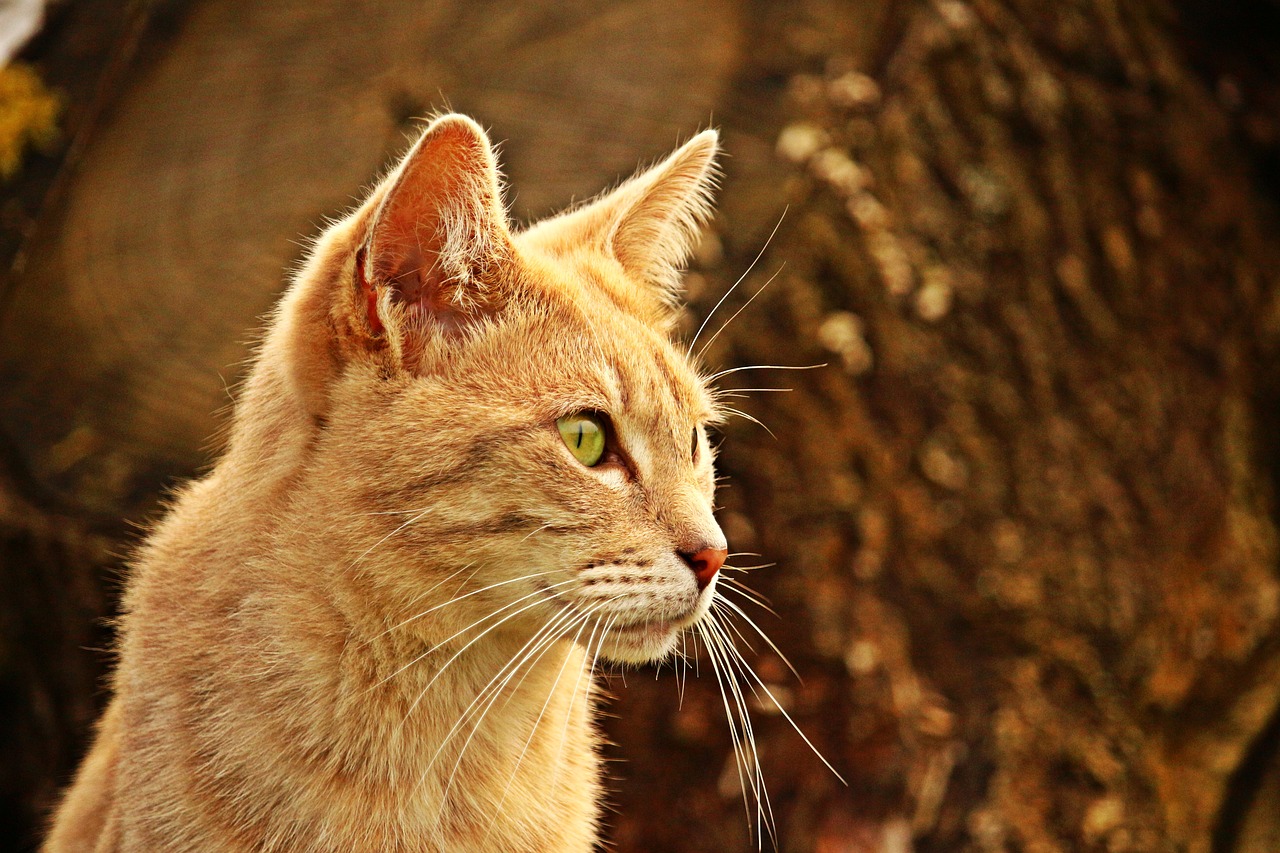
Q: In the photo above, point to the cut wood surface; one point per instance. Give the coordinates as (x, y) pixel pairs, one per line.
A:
(234, 139)
(1024, 518)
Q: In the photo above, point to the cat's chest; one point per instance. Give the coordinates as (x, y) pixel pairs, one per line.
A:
(472, 767)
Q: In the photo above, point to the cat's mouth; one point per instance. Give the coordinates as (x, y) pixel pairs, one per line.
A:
(639, 642)
(633, 642)
(645, 642)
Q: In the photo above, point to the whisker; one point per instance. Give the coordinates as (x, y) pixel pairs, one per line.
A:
(756, 678)
(722, 373)
(737, 587)
(564, 734)
(741, 308)
(740, 612)
(540, 637)
(456, 599)
(427, 592)
(721, 673)
(534, 730)
(718, 606)
(595, 656)
(512, 667)
(418, 516)
(746, 758)
(537, 529)
(408, 522)
(682, 669)
(749, 568)
(733, 661)
(456, 634)
(734, 286)
(754, 420)
(488, 694)
(532, 651)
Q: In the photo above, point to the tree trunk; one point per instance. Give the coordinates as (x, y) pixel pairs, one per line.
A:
(1024, 516)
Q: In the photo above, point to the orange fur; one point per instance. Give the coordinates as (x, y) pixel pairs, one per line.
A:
(396, 519)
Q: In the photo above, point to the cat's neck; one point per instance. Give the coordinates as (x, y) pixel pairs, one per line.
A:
(475, 736)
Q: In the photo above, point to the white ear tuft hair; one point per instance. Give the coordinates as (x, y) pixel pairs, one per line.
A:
(650, 222)
(659, 213)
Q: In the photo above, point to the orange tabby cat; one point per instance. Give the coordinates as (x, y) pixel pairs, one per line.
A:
(467, 462)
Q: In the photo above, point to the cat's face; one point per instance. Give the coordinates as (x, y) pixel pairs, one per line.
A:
(529, 443)
(599, 536)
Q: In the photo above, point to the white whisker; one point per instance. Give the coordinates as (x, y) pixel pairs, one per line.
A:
(455, 599)
(722, 373)
(534, 729)
(539, 641)
(748, 568)
(737, 587)
(564, 734)
(741, 308)
(682, 667)
(787, 716)
(745, 416)
(764, 807)
(740, 612)
(456, 634)
(743, 744)
(728, 627)
(537, 647)
(408, 522)
(740, 392)
(734, 286)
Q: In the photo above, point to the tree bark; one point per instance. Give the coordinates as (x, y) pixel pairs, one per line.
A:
(1024, 516)
(1026, 519)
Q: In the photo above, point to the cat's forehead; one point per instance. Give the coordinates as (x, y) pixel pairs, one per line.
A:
(655, 381)
(617, 338)
(642, 372)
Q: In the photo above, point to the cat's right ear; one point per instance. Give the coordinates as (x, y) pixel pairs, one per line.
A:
(409, 271)
(435, 239)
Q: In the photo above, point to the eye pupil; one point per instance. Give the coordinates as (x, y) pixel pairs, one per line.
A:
(584, 434)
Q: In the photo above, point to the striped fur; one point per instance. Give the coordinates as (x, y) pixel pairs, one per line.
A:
(372, 626)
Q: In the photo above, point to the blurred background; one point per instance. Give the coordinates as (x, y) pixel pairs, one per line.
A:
(1024, 519)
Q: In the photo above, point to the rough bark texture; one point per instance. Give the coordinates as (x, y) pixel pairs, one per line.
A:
(1024, 518)
(1034, 509)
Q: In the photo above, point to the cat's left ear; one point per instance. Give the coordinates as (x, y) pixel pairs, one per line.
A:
(651, 222)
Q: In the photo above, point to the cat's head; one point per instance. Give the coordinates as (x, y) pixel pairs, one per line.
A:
(505, 410)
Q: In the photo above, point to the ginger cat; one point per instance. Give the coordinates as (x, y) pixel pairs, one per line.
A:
(467, 462)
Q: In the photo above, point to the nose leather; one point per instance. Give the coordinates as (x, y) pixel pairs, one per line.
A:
(705, 563)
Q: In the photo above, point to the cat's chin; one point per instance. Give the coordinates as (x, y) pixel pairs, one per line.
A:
(643, 643)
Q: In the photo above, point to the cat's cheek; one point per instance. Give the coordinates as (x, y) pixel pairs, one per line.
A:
(613, 477)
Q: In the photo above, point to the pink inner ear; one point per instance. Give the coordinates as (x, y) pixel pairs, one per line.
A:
(408, 277)
(436, 222)
(406, 245)
(419, 285)
(370, 295)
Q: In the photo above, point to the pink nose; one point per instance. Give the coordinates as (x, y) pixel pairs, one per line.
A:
(705, 563)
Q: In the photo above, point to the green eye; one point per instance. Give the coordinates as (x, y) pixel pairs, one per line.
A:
(583, 434)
